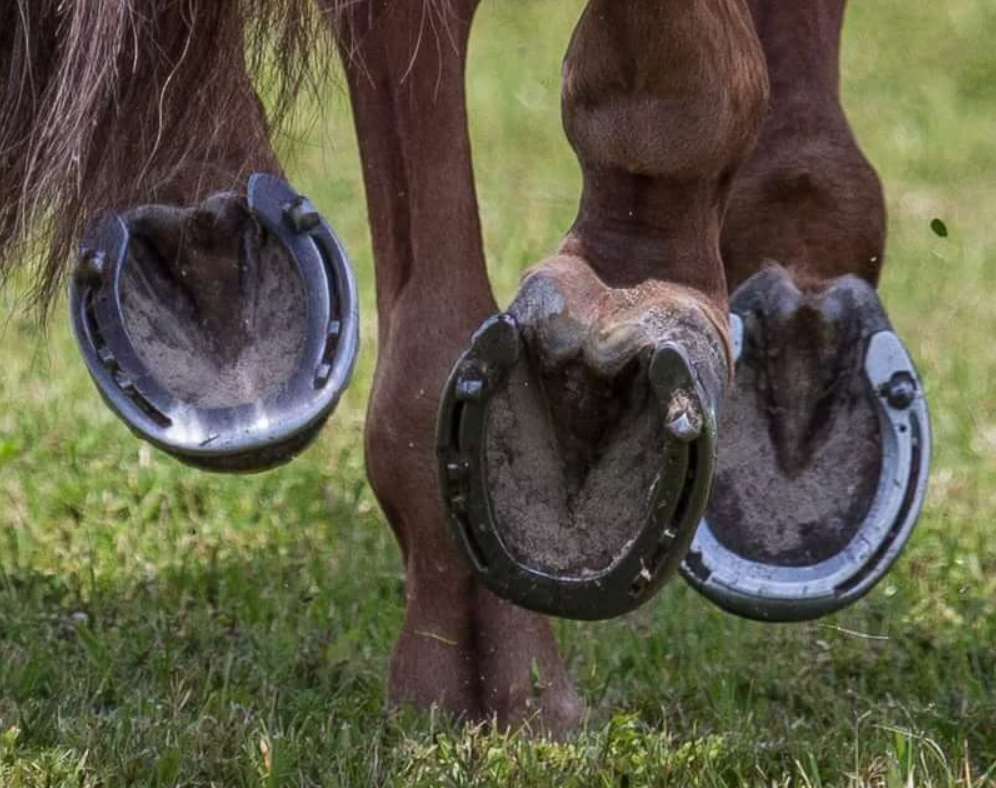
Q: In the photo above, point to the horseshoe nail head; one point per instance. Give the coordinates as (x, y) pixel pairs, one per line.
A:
(302, 215)
(93, 265)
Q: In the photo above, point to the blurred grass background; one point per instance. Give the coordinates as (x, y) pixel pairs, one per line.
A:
(164, 627)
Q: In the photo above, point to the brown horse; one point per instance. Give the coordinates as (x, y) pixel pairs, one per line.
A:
(713, 147)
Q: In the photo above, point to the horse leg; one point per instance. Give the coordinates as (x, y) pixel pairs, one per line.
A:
(135, 104)
(457, 644)
(803, 245)
(661, 103)
(807, 197)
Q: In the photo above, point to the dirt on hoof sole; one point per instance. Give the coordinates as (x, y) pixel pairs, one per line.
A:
(163, 326)
(561, 513)
(765, 515)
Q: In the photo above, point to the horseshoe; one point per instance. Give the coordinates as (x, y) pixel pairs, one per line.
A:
(243, 437)
(770, 592)
(679, 494)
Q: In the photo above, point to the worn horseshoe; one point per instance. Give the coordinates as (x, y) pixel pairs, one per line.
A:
(771, 592)
(679, 494)
(248, 436)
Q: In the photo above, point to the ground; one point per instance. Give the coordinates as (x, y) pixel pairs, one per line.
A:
(163, 627)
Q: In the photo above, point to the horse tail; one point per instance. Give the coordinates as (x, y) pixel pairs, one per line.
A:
(112, 103)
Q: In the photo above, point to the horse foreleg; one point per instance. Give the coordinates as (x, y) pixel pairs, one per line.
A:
(623, 332)
(803, 443)
(807, 197)
(459, 647)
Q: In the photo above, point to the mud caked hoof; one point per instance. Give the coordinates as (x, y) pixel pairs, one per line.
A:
(232, 372)
(572, 493)
(824, 452)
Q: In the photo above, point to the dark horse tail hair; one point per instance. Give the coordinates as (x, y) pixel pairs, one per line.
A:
(106, 104)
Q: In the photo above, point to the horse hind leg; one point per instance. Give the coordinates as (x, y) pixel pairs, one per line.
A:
(110, 106)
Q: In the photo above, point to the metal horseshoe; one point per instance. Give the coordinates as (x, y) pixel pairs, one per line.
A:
(770, 592)
(244, 437)
(679, 495)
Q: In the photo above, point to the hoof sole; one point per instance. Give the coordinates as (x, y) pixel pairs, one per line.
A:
(792, 542)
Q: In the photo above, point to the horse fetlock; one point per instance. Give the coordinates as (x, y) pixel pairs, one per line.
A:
(523, 681)
(434, 664)
(662, 104)
(810, 201)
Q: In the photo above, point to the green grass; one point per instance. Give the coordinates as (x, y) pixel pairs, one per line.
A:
(163, 627)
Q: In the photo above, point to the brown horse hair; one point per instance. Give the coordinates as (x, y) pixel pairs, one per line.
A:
(108, 104)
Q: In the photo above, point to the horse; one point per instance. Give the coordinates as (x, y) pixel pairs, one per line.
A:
(719, 171)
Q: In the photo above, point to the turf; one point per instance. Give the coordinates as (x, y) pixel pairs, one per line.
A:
(164, 627)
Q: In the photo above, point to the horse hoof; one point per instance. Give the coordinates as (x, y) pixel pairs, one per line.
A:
(576, 448)
(233, 360)
(823, 466)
